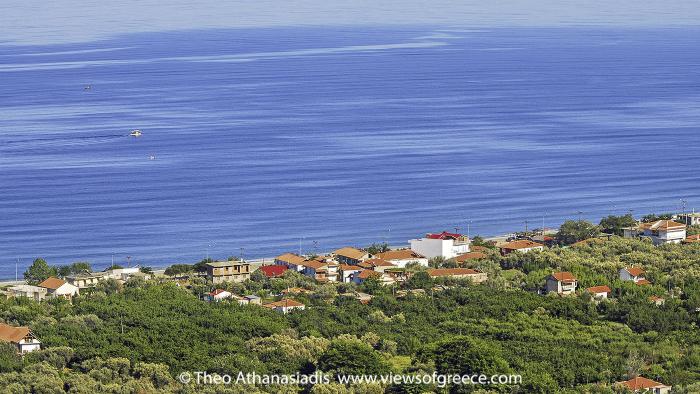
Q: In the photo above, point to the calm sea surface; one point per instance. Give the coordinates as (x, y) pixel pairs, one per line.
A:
(265, 139)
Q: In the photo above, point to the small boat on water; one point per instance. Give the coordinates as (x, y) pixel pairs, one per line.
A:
(135, 133)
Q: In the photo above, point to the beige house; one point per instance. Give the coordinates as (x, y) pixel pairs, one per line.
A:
(21, 337)
(563, 283)
(458, 273)
(291, 261)
(83, 281)
(352, 256)
(34, 292)
(644, 385)
(599, 292)
(285, 306)
(228, 271)
(521, 245)
(59, 288)
(659, 232)
(403, 257)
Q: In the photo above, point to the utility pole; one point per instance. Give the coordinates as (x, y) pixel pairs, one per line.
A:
(241, 254)
(16, 275)
(526, 227)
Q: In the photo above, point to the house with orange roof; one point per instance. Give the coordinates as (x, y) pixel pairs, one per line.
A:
(599, 292)
(444, 244)
(362, 276)
(219, 294)
(59, 288)
(692, 239)
(458, 273)
(659, 232)
(634, 274)
(21, 337)
(346, 272)
(644, 385)
(469, 257)
(291, 261)
(658, 301)
(378, 265)
(349, 255)
(322, 271)
(285, 306)
(520, 245)
(403, 257)
(563, 283)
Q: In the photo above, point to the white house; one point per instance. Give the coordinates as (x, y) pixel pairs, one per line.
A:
(219, 294)
(521, 245)
(21, 337)
(644, 385)
(121, 273)
(634, 274)
(447, 245)
(563, 283)
(689, 219)
(34, 292)
(346, 272)
(599, 292)
(285, 306)
(659, 232)
(59, 288)
(403, 257)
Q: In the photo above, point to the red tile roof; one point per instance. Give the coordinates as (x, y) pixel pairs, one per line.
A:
(52, 283)
(444, 235)
(642, 282)
(12, 334)
(273, 271)
(692, 239)
(348, 267)
(635, 271)
(217, 292)
(521, 244)
(599, 289)
(371, 263)
(365, 274)
(470, 256)
(402, 254)
(564, 276)
(640, 383)
(662, 225)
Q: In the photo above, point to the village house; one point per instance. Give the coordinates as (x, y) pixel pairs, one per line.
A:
(249, 300)
(546, 240)
(563, 283)
(634, 274)
(444, 244)
(658, 301)
(219, 294)
(349, 255)
(378, 265)
(689, 219)
(59, 288)
(228, 271)
(521, 245)
(644, 385)
(346, 272)
(322, 271)
(273, 271)
(403, 257)
(469, 257)
(34, 292)
(360, 277)
(599, 292)
(285, 306)
(659, 232)
(398, 274)
(122, 274)
(458, 273)
(291, 261)
(86, 280)
(21, 337)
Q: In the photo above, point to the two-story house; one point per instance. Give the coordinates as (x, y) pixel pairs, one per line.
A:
(444, 244)
(36, 293)
(228, 271)
(349, 255)
(403, 257)
(563, 283)
(21, 337)
(659, 232)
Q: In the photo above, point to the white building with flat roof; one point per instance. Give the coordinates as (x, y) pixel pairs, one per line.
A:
(447, 245)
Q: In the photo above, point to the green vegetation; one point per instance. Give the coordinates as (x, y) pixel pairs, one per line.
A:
(576, 230)
(615, 224)
(136, 338)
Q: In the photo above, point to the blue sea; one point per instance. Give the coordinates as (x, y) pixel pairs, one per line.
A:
(262, 141)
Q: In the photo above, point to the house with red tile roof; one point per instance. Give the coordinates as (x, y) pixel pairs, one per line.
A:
(599, 292)
(563, 283)
(362, 276)
(659, 232)
(444, 244)
(403, 257)
(219, 294)
(634, 274)
(644, 385)
(285, 306)
(468, 257)
(346, 272)
(378, 265)
(349, 255)
(458, 273)
(658, 301)
(59, 288)
(273, 271)
(520, 245)
(692, 239)
(21, 337)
